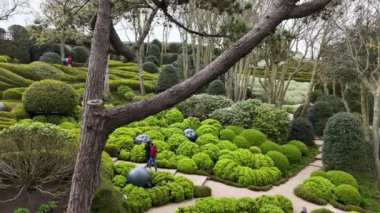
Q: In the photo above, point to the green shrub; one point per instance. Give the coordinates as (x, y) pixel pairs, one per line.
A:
(301, 146)
(122, 168)
(138, 198)
(201, 106)
(272, 122)
(168, 77)
(175, 140)
(176, 192)
(167, 132)
(174, 116)
(152, 59)
(124, 155)
(202, 191)
(120, 142)
(236, 129)
(318, 115)
(276, 200)
(344, 144)
(203, 162)
(216, 87)
(213, 122)
(319, 173)
(50, 97)
(270, 209)
(119, 181)
(40, 118)
(232, 116)
(107, 199)
(162, 178)
(253, 136)
(223, 144)
(21, 210)
(187, 185)
(192, 122)
(187, 149)
(187, 165)
(255, 150)
(207, 129)
(138, 154)
(126, 92)
(207, 138)
(322, 210)
(41, 70)
(348, 195)
(168, 58)
(155, 135)
(269, 146)
(280, 160)
(241, 142)
(51, 58)
(301, 129)
(13, 93)
(293, 154)
(340, 177)
(107, 164)
(80, 54)
(155, 50)
(225, 168)
(320, 187)
(150, 67)
(211, 150)
(160, 195)
(305, 194)
(54, 119)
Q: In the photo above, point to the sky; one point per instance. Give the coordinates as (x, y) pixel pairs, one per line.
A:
(28, 15)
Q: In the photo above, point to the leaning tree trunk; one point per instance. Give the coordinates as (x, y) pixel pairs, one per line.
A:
(107, 90)
(94, 131)
(62, 49)
(364, 110)
(375, 130)
(141, 71)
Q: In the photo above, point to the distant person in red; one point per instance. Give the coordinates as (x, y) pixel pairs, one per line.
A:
(153, 155)
(69, 61)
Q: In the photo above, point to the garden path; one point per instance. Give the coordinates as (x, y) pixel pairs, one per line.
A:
(223, 190)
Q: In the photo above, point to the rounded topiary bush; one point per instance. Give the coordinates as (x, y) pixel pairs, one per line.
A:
(207, 129)
(301, 146)
(50, 97)
(153, 59)
(150, 67)
(269, 146)
(318, 115)
(227, 134)
(236, 129)
(344, 144)
(301, 129)
(41, 70)
(154, 50)
(168, 77)
(320, 187)
(280, 160)
(255, 150)
(187, 149)
(216, 87)
(173, 116)
(203, 162)
(207, 138)
(348, 195)
(340, 177)
(254, 137)
(224, 144)
(13, 93)
(241, 142)
(51, 58)
(187, 165)
(291, 152)
(80, 54)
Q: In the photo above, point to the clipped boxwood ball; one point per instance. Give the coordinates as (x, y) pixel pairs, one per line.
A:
(50, 97)
(143, 138)
(187, 165)
(190, 134)
(254, 137)
(269, 146)
(140, 177)
(301, 146)
(227, 134)
(348, 195)
(280, 160)
(241, 142)
(291, 152)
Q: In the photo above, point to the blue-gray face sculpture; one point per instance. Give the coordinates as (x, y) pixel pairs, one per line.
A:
(140, 177)
(190, 134)
(143, 138)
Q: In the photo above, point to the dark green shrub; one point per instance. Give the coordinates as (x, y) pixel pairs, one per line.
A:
(203, 162)
(272, 122)
(153, 59)
(202, 191)
(13, 93)
(107, 199)
(169, 58)
(236, 129)
(207, 129)
(241, 142)
(293, 154)
(50, 97)
(348, 195)
(318, 115)
(80, 54)
(301, 146)
(232, 116)
(254, 137)
(207, 138)
(154, 50)
(314, 95)
(21, 40)
(344, 144)
(335, 102)
(150, 67)
(187, 149)
(201, 106)
(157, 42)
(320, 187)
(269, 146)
(168, 77)
(301, 129)
(40, 118)
(51, 58)
(174, 47)
(340, 177)
(187, 165)
(54, 119)
(216, 87)
(280, 160)
(227, 134)
(41, 70)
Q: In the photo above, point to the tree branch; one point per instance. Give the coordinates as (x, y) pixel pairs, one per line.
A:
(307, 8)
(147, 26)
(124, 114)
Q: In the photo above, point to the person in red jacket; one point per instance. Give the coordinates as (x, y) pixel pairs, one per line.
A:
(70, 61)
(153, 155)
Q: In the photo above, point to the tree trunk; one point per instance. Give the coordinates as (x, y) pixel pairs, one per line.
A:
(94, 130)
(141, 71)
(107, 91)
(306, 105)
(375, 130)
(364, 110)
(343, 91)
(62, 48)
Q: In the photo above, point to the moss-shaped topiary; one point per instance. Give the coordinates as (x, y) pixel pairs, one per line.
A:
(122, 167)
(167, 132)
(320, 187)
(270, 209)
(174, 116)
(120, 142)
(211, 150)
(187, 165)
(241, 142)
(301, 146)
(216, 87)
(280, 160)
(293, 154)
(213, 122)
(168, 77)
(187, 185)
(269, 146)
(236, 129)
(51, 58)
(319, 173)
(203, 162)
(227, 134)
(192, 122)
(175, 140)
(255, 150)
(119, 181)
(150, 67)
(153, 59)
(202, 191)
(348, 195)
(225, 168)
(207, 129)
(40, 70)
(124, 155)
(80, 54)
(187, 149)
(50, 97)
(301, 129)
(138, 198)
(13, 93)
(155, 135)
(207, 138)
(254, 137)
(155, 50)
(340, 177)
(224, 144)
(138, 154)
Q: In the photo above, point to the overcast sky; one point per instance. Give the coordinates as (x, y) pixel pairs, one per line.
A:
(28, 15)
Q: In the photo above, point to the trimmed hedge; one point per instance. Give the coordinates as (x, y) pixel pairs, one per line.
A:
(227, 134)
(254, 137)
(337, 177)
(206, 139)
(348, 195)
(301, 146)
(280, 160)
(269, 146)
(203, 162)
(320, 187)
(13, 93)
(187, 149)
(291, 152)
(241, 142)
(150, 67)
(207, 129)
(187, 165)
(216, 87)
(168, 77)
(236, 129)
(202, 191)
(51, 58)
(224, 144)
(301, 129)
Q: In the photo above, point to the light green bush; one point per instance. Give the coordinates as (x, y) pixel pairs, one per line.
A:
(138, 198)
(224, 144)
(227, 134)
(320, 187)
(122, 168)
(13, 93)
(124, 155)
(254, 137)
(174, 116)
(225, 168)
(41, 70)
(203, 162)
(207, 129)
(348, 195)
(192, 122)
(280, 160)
(155, 135)
(175, 140)
(340, 177)
(301, 146)
(187, 165)
(138, 154)
(187, 185)
(119, 181)
(213, 122)
(167, 132)
(187, 149)
(255, 150)
(207, 138)
(241, 142)
(236, 129)
(269, 146)
(211, 150)
(293, 154)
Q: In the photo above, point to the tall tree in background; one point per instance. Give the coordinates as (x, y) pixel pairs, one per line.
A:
(98, 122)
(11, 7)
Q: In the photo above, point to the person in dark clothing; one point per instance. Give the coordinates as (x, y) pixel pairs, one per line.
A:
(153, 155)
(147, 152)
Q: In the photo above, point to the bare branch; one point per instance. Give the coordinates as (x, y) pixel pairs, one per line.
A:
(307, 8)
